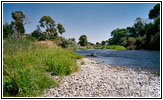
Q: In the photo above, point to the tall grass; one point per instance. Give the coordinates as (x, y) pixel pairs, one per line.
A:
(25, 67)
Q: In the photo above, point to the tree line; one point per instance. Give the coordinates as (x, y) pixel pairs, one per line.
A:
(144, 34)
(46, 30)
(16, 28)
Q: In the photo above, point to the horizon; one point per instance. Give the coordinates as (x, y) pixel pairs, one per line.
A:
(95, 20)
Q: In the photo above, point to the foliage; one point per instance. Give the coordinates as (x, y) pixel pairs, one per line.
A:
(82, 63)
(18, 24)
(72, 39)
(30, 37)
(50, 31)
(103, 42)
(117, 34)
(7, 30)
(83, 40)
(142, 35)
(131, 40)
(48, 24)
(60, 28)
(114, 47)
(66, 43)
(155, 12)
(37, 34)
(25, 67)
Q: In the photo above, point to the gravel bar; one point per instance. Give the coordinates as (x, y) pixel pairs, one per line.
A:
(95, 80)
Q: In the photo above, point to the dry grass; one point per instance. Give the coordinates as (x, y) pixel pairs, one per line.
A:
(47, 43)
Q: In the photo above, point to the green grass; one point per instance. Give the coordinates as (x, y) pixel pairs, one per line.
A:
(113, 47)
(25, 67)
(82, 63)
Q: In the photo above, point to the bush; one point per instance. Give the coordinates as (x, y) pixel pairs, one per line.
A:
(82, 63)
(131, 41)
(40, 35)
(7, 30)
(31, 38)
(36, 34)
(70, 44)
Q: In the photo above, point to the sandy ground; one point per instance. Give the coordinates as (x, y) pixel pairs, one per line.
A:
(95, 80)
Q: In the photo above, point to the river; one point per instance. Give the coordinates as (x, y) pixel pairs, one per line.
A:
(136, 59)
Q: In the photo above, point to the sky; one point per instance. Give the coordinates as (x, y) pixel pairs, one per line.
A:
(96, 20)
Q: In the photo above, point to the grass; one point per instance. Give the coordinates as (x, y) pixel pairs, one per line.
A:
(25, 67)
(113, 47)
(82, 63)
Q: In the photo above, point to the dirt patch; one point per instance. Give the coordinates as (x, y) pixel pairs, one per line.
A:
(47, 43)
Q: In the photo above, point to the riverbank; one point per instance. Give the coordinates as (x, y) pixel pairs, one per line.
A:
(95, 80)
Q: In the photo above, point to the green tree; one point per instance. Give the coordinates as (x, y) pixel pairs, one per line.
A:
(131, 40)
(155, 12)
(18, 24)
(117, 34)
(83, 40)
(7, 30)
(123, 41)
(140, 42)
(60, 28)
(37, 33)
(48, 24)
(72, 39)
(103, 43)
(138, 26)
(142, 35)
(132, 31)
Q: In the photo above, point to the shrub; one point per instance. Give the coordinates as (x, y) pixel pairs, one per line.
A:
(70, 44)
(131, 41)
(7, 30)
(82, 63)
(36, 34)
(31, 38)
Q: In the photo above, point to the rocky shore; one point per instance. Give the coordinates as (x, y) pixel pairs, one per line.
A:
(95, 80)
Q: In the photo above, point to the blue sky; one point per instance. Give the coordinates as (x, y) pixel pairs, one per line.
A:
(96, 20)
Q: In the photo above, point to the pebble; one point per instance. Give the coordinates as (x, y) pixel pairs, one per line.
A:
(95, 80)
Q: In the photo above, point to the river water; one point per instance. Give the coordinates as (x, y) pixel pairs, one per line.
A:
(136, 59)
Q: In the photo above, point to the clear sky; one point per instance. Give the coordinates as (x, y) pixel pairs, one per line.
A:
(96, 20)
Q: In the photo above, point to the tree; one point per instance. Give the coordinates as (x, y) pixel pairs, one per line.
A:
(138, 26)
(155, 12)
(103, 43)
(124, 41)
(72, 39)
(7, 30)
(132, 31)
(18, 24)
(48, 24)
(142, 35)
(60, 28)
(37, 33)
(83, 40)
(117, 34)
(97, 43)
